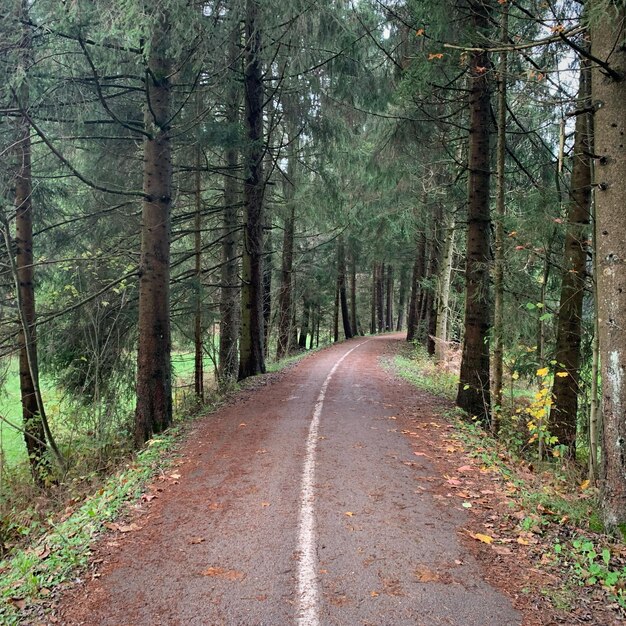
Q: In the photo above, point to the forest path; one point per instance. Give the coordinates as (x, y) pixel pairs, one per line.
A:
(237, 536)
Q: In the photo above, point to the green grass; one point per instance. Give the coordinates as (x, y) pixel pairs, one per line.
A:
(418, 368)
(12, 445)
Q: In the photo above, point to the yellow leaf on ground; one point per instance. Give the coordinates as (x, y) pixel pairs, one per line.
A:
(522, 541)
(480, 537)
(349, 513)
(584, 485)
(562, 374)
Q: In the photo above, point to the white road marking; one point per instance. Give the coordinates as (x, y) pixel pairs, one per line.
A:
(307, 548)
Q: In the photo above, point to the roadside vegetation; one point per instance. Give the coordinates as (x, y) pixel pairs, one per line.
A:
(552, 506)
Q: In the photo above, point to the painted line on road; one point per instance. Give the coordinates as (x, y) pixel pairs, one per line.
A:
(308, 595)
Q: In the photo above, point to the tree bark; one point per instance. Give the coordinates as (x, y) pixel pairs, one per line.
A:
(252, 354)
(473, 393)
(414, 303)
(564, 413)
(353, 318)
(498, 268)
(389, 300)
(609, 92)
(198, 343)
(306, 320)
(373, 301)
(34, 432)
(431, 291)
(341, 285)
(380, 297)
(153, 412)
(402, 297)
(286, 270)
(443, 297)
(267, 285)
(230, 285)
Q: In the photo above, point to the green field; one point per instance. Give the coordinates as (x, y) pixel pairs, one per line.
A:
(12, 445)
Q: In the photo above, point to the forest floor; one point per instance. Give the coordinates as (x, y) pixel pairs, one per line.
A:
(333, 492)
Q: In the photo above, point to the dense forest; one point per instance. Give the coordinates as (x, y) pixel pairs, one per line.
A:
(194, 190)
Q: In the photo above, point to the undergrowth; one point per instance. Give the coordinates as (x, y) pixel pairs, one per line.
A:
(557, 506)
(30, 573)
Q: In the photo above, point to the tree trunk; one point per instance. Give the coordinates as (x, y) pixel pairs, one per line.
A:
(353, 319)
(198, 347)
(286, 270)
(153, 413)
(373, 302)
(389, 303)
(34, 433)
(304, 329)
(498, 268)
(341, 285)
(230, 286)
(380, 297)
(252, 354)
(267, 287)
(443, 297)
(414, 303)
(402, 297)
(336, 313)
(564, 413)
(473, 394)
(431, 291)
(609, 90)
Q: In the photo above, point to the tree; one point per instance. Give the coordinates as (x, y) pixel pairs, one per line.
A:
(229, 299)
(474, 394)
(153, 412)
(609, 93)
(33, 412)
(252, 354)
(564, 413)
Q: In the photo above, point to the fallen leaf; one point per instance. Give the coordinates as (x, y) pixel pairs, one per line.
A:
(480, 537)
(522, 541)
(227, 574)
(421, 454)
(197, 540)
(465, 468)
(264, 504)
(374, 594)
(584, 485)
(467, 505)
(242, 425)
(44, 591)
(175, 475)
(425, 575)
(18, 603)
(349, 513)
(43, 552)
(129, 528)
